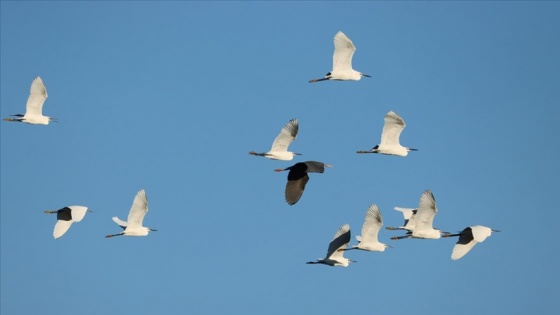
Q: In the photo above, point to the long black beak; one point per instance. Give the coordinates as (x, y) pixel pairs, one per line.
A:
(317, 80)
(365, 75)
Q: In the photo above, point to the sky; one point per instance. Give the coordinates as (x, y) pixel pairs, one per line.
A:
(171, 96)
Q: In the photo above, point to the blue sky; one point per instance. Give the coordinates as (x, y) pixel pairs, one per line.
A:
(170, 97)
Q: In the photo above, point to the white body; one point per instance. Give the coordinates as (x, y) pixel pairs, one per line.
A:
(477, 234)
(342, 61)
(425, 217)
(133, 225)
(336, 249)
(390, 143)
(34, 108)
(370, 230)
(62, 226)
(409, 218)
(279, 149)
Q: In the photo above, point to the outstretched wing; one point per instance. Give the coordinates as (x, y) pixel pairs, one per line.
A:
(339, 243)
(372, 224)
(37, 96)
(138, 210)
(426, 211)
(392, 129)
(343, 52)
(286, 136)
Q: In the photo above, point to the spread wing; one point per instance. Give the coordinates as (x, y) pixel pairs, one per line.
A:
(37, 96)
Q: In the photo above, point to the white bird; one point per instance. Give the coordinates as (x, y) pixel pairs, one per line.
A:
(34, 108)
(336, 249)
(424, 219)
(368, 240)
(298, 178)
(133, 226)
(469, 237)
(342, 61)
(65, 217)
(409, 215)
(279, 149)
(390, 145)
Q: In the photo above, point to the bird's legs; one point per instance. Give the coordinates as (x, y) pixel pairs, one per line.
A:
(400, 237)
(112, 235)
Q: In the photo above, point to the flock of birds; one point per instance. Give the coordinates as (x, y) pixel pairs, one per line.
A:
(418, 221)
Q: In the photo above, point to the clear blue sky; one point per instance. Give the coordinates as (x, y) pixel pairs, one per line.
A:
(170, 97)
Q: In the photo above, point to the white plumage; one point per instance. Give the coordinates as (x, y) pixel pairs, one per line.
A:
(279, 149)
(34, 108)
(370, 230)
(390, 143)
(336, 249)
(424, 219)
(342, 61)
(65, 217)
(469, 237)
(133, 225)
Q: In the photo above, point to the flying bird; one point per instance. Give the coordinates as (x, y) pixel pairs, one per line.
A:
(298, 178)
(342, 61)
(409, 219)
(34, 108)
(336, 249)
(469, 237)
(368, 240)
(65, 217)
(390, 145)
(279, 149)
(133, 225)
(424, 219)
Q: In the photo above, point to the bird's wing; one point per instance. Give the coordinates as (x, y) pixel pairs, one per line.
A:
(295, 188)
(339, 243)
(315, 167)
(372, 224)
(480, 233)
(120, 222)
(37, 96)
(392, 129)
(61, 227)
(409, 215)
(343, 52)
(461, 248)
(138, 210)
(286, 136)
(426, 211)
(78, 213)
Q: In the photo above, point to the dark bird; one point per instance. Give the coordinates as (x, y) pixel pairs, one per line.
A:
(298, 178)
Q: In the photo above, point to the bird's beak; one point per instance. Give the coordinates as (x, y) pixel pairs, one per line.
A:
(297, 153)
(365, 75)
(353, 261)
(411, 149)
(389, 246)
(152, 230)
(496, 231)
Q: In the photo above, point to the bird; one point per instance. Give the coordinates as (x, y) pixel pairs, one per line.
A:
(279, 149)
(133, 225)
(34, 108)
(65, 217)
(342, 61)
(368, 240)
(298, 178)
(409, 219)
(390, 145)
(424, 219)
(336, 249)
(469, 237)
